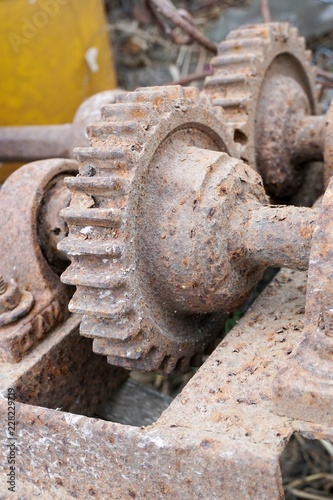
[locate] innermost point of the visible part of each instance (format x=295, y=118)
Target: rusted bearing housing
x=33, y=299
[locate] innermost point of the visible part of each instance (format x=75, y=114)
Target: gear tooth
x=101, y=241
x=128, y=364
x=103, y=130
x=308, y=56
x=78, y=275
x=101, y=305
x=191, y=93
x=129, y=352
x=239, y=70
x=196, y=359
x=115, y=112
x=162, y=99
x=100, y=217
x=75, y=246
x=242, y=46
x=168, y=364
x=225, y=79
x=248, y=31
x=302, y=43
x=235, y=107
x=91, y=159
x=182, y=365
x=171, y=91
x=102, y=186
x=293, y=31
x=106, y=330
x=171, y=364
x=96, y=161
x=226, y=60
x=130, y=132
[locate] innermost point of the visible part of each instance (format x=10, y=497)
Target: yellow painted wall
x=43, y=46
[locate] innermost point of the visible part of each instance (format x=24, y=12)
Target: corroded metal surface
x=35, y=142
x=305, y=387
x=171, y=236
x=105, y=220
x=221, y=437
x=14, y=303
x=328, y=150
x=62, y=373
x=265, y=83
x=33, y=287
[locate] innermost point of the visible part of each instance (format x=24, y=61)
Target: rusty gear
x=120, y=306
x=263, y=79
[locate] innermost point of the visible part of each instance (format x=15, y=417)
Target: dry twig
x=307, y=495
x=265, y=11
x=181, y=19
x=192, y=77
x=325, y=74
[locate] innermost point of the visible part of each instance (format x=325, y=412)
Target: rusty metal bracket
x=304, y=388
x=33, y=300
x=220, y=437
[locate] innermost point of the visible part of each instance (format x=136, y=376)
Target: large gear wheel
x=264, y=81
x=115, y=293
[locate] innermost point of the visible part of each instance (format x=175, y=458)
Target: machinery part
x=106, y=226
x=265, y=83
x=13, y=303
x=35, y=142
x=222, y=426
x=23, y=265
x=51, y=227
x=190, y=239
x=304, y=388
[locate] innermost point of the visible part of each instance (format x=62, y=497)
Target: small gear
x=121, y=308
x=264, y=81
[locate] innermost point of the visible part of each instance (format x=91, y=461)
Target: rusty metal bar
x=309, y=140
x=35, y=142
x=281, y=236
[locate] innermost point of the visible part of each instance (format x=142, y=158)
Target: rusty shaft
x=308, y=143
x=35, y=142
x=281, y=236
x=216, y=237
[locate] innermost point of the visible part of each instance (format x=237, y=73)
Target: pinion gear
x=121, y=309
x=253, y=63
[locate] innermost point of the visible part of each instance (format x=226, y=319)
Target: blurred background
x=57, y=53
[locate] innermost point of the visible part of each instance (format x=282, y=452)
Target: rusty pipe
x=309, y=141
x=281, y=236
x=36, y=141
